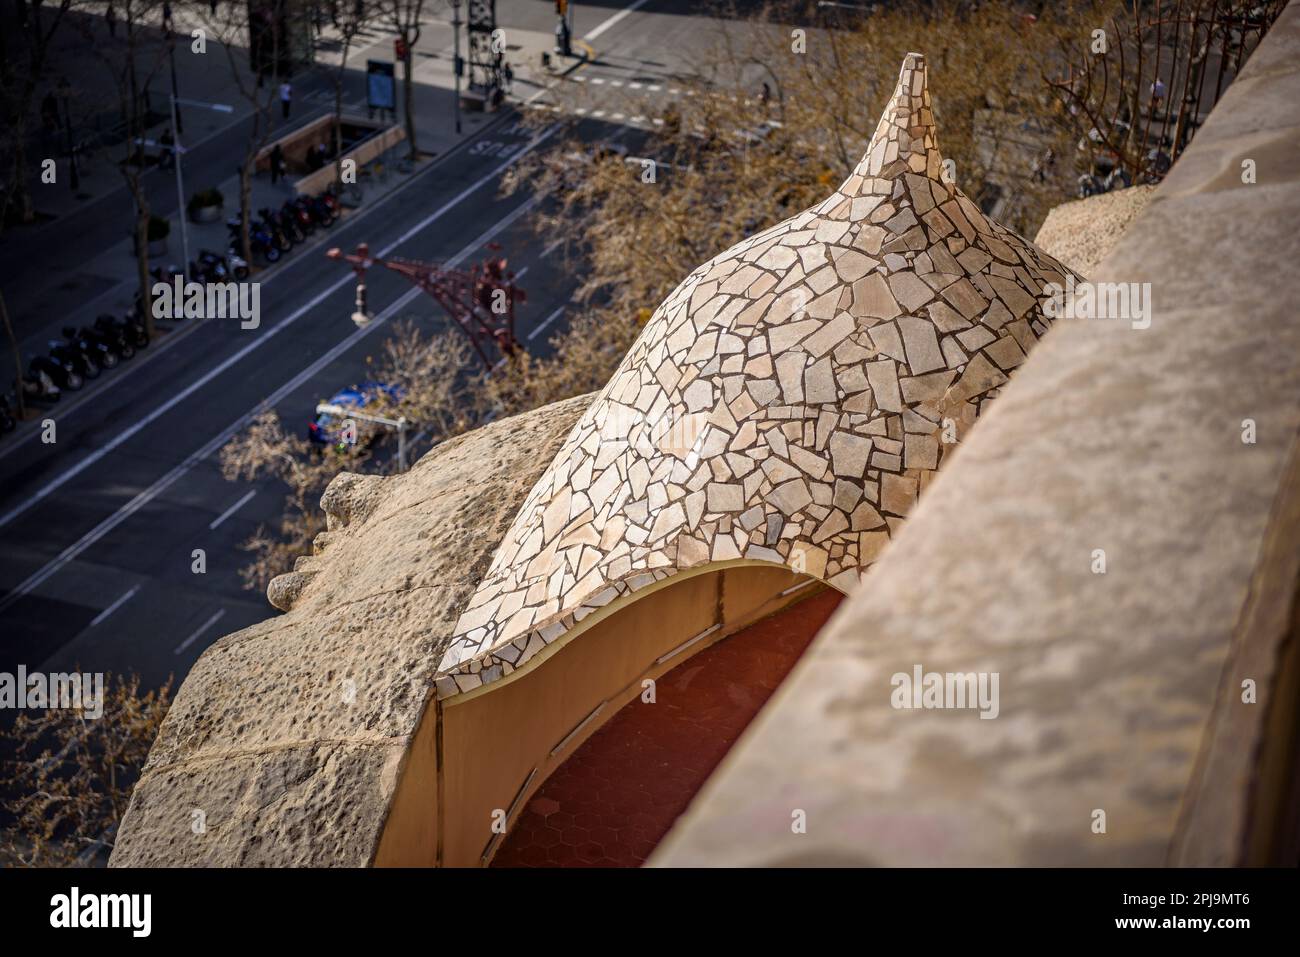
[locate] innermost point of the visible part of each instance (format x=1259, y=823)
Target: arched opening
x=612, y=801
x=479, y=758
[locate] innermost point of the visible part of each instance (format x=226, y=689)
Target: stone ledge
x=1110, y=437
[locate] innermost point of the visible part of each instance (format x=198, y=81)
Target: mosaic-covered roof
x=786, y=404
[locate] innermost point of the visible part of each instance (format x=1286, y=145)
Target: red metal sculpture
x=480, y=300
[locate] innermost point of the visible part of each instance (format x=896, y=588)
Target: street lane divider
x=143, y=498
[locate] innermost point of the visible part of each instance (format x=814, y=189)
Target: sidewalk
x=41, y=303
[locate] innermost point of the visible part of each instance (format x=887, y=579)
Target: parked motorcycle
x=210, y=267
x=82, y=362
x=115, y=334
x=279, y=239
x=60, y=373
x=238, y=265
x=286, y=224
x=317, y=210
x=39, y=386
x=332, y=201
x=92, y=346
x=132, y=326
x=300, y=214
x=259, y=237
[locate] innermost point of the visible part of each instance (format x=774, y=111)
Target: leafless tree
x=70, y=776
x=1138, y=85
x=22, y=70
x=406, y=18
x=132, y=60
x=254, y=75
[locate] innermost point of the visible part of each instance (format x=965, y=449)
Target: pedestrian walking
x=212, y=5
x=286, y=97
x=110, y=18
x=277, y=164
x=508, y=74
x=167, y=14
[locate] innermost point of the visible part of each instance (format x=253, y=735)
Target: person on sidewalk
x=212, y=5
x=110, y=18
x=286, y=97
x=277, y=164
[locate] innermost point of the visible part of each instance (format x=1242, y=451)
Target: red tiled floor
x=616, y=797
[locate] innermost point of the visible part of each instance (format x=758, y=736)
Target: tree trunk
x=245, y=204
x=338, y=128
x=142, y=264
x=18, y=358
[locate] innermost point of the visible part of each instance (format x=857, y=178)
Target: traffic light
x=399, y=48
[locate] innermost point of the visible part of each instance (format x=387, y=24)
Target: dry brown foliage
x=70, y=776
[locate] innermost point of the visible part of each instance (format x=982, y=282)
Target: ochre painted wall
x=491, y=750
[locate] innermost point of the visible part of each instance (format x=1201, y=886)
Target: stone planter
x=206, y=214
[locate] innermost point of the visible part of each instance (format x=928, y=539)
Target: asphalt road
x=98, y=529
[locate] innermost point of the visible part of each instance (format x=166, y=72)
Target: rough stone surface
x=1081, y=233
x=1110, y=437
x=289, y=735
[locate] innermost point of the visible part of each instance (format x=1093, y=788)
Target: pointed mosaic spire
x=785, y=405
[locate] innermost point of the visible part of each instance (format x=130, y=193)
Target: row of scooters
x=270, y=236
x=81, y=354
x=275, y=232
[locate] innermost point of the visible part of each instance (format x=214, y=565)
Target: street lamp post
x=171, y=51
x=65, y=93
x=177, y=151
x=456, y=64
x=399, y=425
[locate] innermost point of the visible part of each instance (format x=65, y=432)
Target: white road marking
x=545, y=322
x=115, y=606
x=200, y=630
x=654, y=88
x=551, y=248
x=133, y=506
x=631, y=8
x=164, y=407
x=232, y=510
x=597, y=79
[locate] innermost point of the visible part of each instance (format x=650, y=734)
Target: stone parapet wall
x=286, y=743
x=1119, y=692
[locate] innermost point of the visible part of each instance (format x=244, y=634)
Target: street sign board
x=380, y=85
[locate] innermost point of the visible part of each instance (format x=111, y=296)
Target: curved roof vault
x=785, y=404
